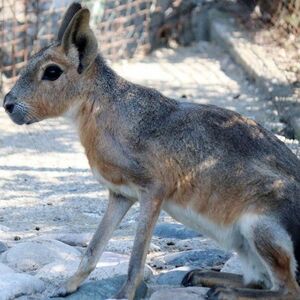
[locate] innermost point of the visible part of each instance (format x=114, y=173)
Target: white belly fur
x=130, y=191
x=187, y=216
x=224, y=235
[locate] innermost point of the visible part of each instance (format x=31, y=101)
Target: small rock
x=103, y=289
x=200, y=258
x=17, y=238
x=30, y=256
x=14, y=285
x=174, y=276
x=189, y=293
x=3, y=247
x=173, y=230
x=233, y=265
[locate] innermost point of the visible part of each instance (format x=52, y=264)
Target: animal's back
x=201, y=131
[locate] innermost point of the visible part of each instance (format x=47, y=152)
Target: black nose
x=9, y=103
x=9, y=107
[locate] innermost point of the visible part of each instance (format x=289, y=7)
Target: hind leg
x=272, y=246
x=212, y=279
x=254, y=277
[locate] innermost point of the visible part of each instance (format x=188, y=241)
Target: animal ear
x=79, y=34
x=71, y=11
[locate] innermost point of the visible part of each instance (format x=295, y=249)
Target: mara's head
x=56, y=77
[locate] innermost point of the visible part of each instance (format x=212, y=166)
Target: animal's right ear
x=75, y=31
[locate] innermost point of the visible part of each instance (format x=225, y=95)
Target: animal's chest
x=224, y=235
x=127, y=190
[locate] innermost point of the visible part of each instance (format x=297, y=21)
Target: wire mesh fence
x=28, y=25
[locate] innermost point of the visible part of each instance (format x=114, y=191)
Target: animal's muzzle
x=16, y=110
x=9, y=103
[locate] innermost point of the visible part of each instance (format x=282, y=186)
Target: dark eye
x=52, y=73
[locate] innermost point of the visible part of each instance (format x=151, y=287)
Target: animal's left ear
x=79, y=34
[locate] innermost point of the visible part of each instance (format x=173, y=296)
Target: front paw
x=221, y=293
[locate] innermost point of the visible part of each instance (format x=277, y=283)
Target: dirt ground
x=45, y=182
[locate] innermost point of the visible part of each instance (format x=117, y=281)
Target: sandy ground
x=45, y=182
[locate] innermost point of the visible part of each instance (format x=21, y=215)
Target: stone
x=125, y=246
x=200, y=258
x=3, y=247
x=233, y=265
x=189, y=293
x=14, y=285
x=110, y=265
x=72, y=239
x=103, y=289
x=4, y=269
x=57, y=271
x=174, y=276
x=33, y=255
x=200, y=243
x=173, y=230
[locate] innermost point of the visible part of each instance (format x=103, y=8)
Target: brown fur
x=203, y=164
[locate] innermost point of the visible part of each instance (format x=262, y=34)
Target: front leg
x=116, y=210
x=150, y=206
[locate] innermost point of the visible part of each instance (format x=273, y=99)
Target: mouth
x=31, y=121
x=21, y=117
x=17, y=118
